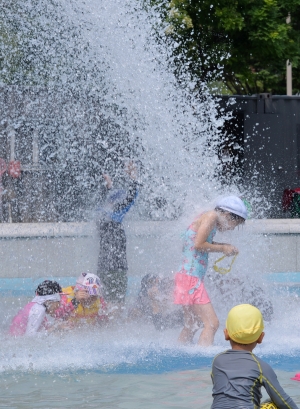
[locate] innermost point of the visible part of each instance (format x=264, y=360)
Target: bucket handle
x=223, y=270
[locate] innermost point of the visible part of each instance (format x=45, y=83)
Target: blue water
x=159, y=380
x=26, y=286
x=284, y=278
x=163, y=361
x=143, y=350
x=131, y=366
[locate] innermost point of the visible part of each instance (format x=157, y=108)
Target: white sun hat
x=233, y=204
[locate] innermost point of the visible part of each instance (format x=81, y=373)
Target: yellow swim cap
x=244, y=324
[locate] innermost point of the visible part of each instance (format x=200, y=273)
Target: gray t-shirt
x=237, y=380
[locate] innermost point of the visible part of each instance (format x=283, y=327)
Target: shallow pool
x=118, y=369
x=90, y=389
x=129, y=365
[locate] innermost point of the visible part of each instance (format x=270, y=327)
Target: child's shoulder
x=263, y=364
x=220, y=355
x=208, y=217
x=207, y=214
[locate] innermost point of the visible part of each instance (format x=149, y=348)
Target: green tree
x=243, y=43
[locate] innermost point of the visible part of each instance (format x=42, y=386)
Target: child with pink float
x=33, y=317
x=190, y=291
x=70, y=306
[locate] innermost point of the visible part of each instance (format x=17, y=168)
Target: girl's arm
x=206, y=224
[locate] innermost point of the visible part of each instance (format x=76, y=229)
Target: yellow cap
x=244, y=324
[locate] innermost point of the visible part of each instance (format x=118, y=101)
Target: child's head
x=233, y=212
x=148, y=282
x=91, y=284
x=48, y=294
x=244, y=326
x=48, y=287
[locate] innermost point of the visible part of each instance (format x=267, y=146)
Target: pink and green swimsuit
x=189, y=286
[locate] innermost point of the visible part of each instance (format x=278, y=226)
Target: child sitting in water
x=237, y=374
x=32, y=318
x=82, y=303
x=154, y=303
x=190, y=292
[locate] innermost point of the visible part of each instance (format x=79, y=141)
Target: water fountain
x=109, y=93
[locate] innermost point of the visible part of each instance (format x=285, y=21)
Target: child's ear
x=261, y=337
x=227, y=338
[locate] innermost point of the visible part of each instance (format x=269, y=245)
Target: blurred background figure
x=154, y=303
x=112, y=260
x=240, y=290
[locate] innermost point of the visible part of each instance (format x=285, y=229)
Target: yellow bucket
x=268, y=405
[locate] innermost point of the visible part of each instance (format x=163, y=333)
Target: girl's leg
x=190, y=325
x=210, y=321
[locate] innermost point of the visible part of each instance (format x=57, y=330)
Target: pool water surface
x=180, y=389
x=129, y=365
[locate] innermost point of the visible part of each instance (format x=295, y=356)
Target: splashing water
x=111, y=95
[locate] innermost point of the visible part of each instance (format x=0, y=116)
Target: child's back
x=237, y=380
x=238, y=374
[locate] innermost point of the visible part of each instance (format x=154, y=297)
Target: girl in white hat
x=189, y=281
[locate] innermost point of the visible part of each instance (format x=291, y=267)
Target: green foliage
x=244, y=43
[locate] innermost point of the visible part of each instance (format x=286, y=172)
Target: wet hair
x=48, y=287
x=147, y=282
x=233, y=216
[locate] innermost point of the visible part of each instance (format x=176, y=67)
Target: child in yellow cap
x=238, y=374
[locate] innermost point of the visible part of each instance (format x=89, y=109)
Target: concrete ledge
x=138, y=228
x=67, y=249
x=15, y=230
x=273, y=226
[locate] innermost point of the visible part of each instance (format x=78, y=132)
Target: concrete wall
x=66, y=249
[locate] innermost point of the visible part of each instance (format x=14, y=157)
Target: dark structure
x=261, y=146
